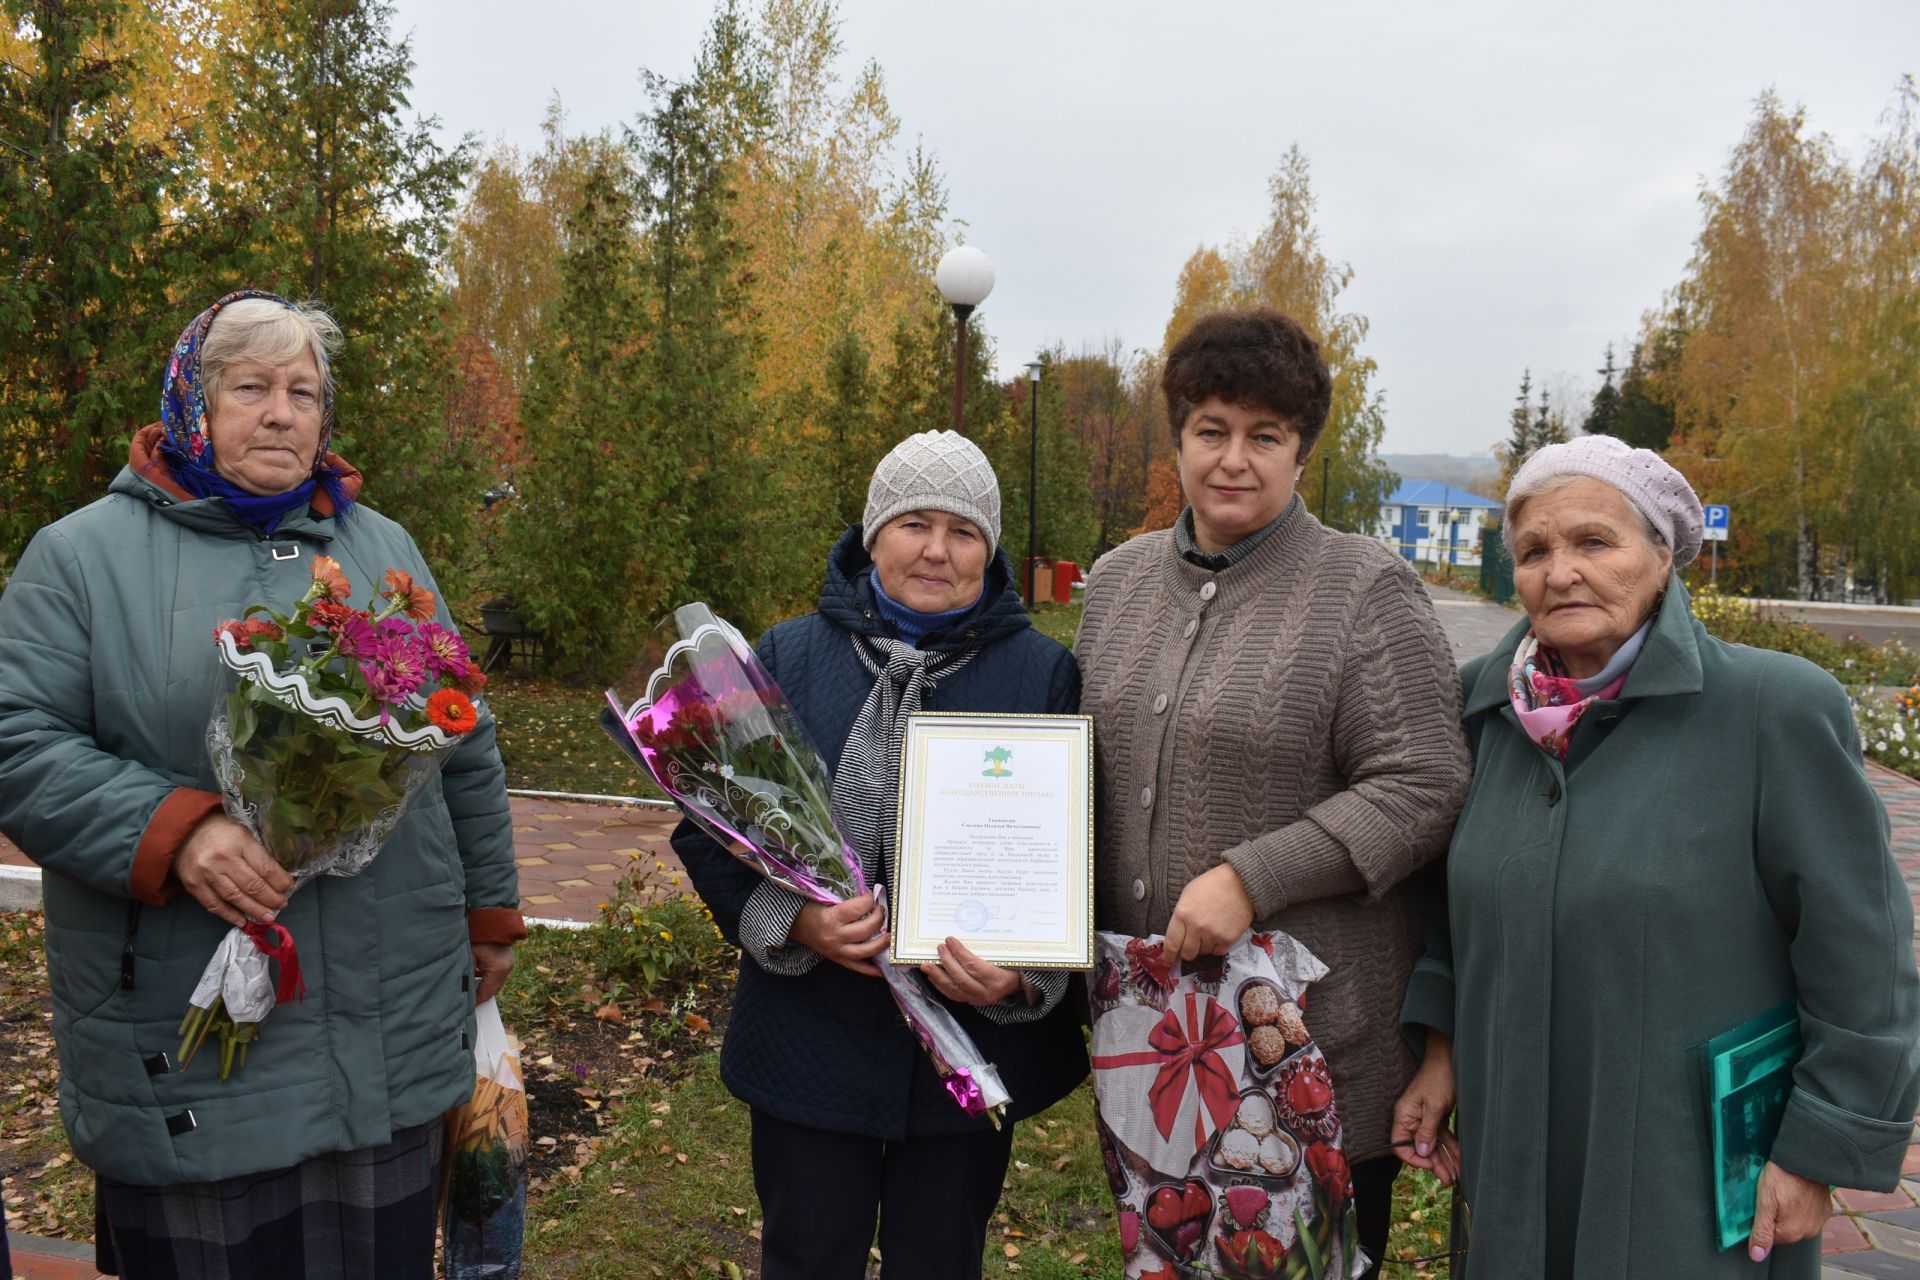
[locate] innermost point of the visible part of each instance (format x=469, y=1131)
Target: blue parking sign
x=1718, y=521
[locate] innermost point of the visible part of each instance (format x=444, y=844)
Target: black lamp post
x=1033, y=475
x=965, y=278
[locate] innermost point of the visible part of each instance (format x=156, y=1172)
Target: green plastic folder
x=1749, y=1073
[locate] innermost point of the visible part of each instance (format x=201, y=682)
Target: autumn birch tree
x=1286, y=267
x=1765, y=298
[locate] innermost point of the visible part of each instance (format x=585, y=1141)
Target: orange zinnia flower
x=474, y=679
x=418, y=602
x=452, y=711
x=326, y=572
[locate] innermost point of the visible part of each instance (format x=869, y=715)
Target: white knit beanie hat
x=934, y=471
x=1647, y=480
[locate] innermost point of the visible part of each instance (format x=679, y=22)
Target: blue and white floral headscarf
x=188, y=448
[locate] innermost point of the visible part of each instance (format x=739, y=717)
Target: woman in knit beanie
x=918, y=611
x=1669, y=838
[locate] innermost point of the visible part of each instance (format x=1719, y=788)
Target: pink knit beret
x=1661, y=493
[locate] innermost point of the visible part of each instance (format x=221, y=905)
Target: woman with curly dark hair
x=1276, y=720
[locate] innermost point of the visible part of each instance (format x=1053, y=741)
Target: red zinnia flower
x=331, y=615
x=246, y=631
x=473, y=680
x=416, y=602
x=452, y=711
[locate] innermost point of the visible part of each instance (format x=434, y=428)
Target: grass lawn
x=1058, y=620
x=551, y=739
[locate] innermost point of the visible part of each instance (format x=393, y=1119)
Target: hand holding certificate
x=996, y=839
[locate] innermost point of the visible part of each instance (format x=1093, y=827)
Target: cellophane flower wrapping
x=1216, y=1114
x=332, y=723
x=320, y=787
x=713, y=729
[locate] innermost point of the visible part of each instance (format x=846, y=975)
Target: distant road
x=1874, y=624
x=1473, y=625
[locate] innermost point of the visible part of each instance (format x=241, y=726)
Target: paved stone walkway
x=571, y=853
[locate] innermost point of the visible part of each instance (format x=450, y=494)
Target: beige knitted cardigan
x=1296, y=715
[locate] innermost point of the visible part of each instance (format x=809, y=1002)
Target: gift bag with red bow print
x=1216, y=1114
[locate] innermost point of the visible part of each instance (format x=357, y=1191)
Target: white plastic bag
x=490, y=1131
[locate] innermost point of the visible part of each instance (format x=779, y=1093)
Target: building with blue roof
x=1425, y=520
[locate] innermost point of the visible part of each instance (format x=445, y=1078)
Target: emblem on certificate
x=996, y=839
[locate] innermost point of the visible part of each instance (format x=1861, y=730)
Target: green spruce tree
x=1512, y=451
x=1603, y=419
x=1645, y=418
x=698, y=365
x=597, y=541
x=330, y=194
x=850, y=431
x=85, y=321
x=1549, y=424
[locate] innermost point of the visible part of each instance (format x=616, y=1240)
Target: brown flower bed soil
x=581, y=1070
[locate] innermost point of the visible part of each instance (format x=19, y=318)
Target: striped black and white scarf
x=866, y=786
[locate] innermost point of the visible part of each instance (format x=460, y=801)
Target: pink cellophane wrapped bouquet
x=714, y=730
x=1216, y=1114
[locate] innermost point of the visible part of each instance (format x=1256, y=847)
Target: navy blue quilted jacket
x=829, y=1049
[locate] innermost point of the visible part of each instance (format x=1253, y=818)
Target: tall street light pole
x=1033, y=475
x=965, y=278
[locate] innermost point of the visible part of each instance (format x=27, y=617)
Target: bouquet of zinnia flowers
x=335, y=719
x=720, y=738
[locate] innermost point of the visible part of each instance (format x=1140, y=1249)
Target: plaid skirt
x=355, y=1215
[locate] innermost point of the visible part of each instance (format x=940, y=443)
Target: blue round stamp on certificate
x=970, y=916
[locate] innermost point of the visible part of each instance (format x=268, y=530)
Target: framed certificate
x=996, y=839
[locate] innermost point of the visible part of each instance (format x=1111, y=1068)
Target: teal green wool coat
x=1711, y=850
x=107, y=678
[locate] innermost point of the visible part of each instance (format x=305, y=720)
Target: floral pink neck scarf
x=1550, y=702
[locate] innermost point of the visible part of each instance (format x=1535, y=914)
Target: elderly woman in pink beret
x=1668, y=838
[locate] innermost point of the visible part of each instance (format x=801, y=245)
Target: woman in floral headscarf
x=1667, y=837
x=321, y=1158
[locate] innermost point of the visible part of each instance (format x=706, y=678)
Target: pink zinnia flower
x=388, y=687
x=408, y=660
x=446, y=651
x=355, y=636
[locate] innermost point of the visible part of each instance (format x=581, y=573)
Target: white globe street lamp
x=965, y=278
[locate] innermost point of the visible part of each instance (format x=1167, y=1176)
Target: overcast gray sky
x=1512, y=183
